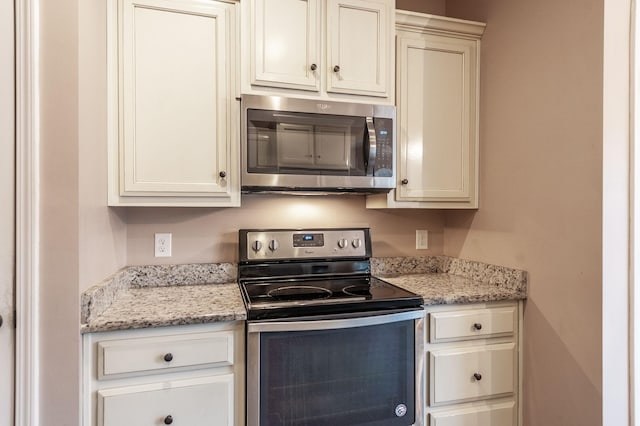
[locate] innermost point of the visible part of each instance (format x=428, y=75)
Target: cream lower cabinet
x=437, y=80
x=173, y=117
x=473, y=365
x=185, y=375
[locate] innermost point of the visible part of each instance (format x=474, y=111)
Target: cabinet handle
x=168, y=420
x=314, y=67
x=477, y=326
x=404, y=181
x=168, y=357
x=1, y=320
x=336, y=68
x=223, y=174
x=477, y=376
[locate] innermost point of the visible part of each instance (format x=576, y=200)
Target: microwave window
x=299, y=143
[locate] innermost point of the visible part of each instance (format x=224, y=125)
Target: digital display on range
x=308, y=240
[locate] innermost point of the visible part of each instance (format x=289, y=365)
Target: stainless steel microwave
x=316, y=146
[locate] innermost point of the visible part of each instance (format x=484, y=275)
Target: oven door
x=366, y=370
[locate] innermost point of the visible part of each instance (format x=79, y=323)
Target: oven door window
x=344, y=377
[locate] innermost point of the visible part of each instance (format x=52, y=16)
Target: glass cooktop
x=271, y=299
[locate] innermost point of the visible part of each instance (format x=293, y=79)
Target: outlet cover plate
x=422, y=239
x=163, y=244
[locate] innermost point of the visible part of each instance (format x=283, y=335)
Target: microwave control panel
x=384, y=147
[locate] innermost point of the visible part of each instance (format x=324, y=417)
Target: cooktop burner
x=298, y=273
x=299, y=292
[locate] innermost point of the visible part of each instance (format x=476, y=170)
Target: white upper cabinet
x=285, y=46
x=330, y=49
x=173, y=107
x=437, y=79
x=357, y=39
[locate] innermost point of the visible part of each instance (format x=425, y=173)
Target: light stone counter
x=161, y=295
x=441, y=288
x=446, y=280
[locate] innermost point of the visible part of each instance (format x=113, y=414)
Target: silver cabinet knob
x=336, y=68
x=405, y=181
x=223, y=174
x=256, y=246
x=356, y=243
x=342, y=243
x=313, y=67
x=273, y=245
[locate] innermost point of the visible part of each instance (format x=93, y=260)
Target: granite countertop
x=162, y=295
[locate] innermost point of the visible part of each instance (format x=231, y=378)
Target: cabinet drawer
x=137, y=356
x=471, y=373
x=206, y=401
x=468, y=324
x=503, y=414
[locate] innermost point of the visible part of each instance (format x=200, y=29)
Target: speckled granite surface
x=159, y=295
x=97, y=301
x=145, y=307
x=442, y=288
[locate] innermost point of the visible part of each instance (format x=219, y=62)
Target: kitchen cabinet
x=173, y=117
x=191, y=374
x=333, y=49
x=437, y=79
x=473, y=357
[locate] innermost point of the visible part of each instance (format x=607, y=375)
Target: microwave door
x=295, y=145
x=333, y=147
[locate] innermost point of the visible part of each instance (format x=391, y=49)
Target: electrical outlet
x=163, y=244
x=422, y=239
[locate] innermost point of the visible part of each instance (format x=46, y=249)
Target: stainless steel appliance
x=327, y=343
x=311, y=145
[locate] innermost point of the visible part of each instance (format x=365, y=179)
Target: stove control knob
x=256, y=246
x=356, y=243
x=273, y=245
x=342, y=243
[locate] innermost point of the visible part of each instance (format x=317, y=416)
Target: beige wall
x=59, y=234
x=541, y=191
x=211, y=235
x=435, y=7
x=82, y=241
x=102, y=244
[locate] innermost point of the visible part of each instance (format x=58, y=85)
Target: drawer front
x=135, y=356
x=468, y=324
x=204, y=401
x=471, y=373
x=503, y=414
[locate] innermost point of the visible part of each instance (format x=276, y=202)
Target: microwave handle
x=371, y=146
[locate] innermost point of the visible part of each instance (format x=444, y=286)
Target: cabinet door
x=195, y=402
x=175, y=67
x=357, y=46
x=462, y=374
x=436, y=112
x=501, y=414
x=285, y=43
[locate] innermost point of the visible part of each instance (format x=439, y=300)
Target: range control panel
x=304, y=244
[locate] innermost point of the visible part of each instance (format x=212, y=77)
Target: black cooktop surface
x=286, y=298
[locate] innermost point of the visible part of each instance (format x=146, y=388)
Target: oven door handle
x=361, y=321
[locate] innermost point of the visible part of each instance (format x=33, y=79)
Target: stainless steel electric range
x=327, y=343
